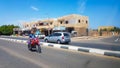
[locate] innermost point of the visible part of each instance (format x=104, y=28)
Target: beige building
x=71, y=22
x=107, y=28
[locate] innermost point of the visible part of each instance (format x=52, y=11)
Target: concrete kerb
x=111, y=53
x=98, y=51
x=84, y=49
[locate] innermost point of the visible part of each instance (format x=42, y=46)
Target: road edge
x=83, y=49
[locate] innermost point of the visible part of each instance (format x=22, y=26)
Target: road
x=107, y=43
x=16, y=55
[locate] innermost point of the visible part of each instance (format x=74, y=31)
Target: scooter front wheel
x=38, y=48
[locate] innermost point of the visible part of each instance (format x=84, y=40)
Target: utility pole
x=49, y=29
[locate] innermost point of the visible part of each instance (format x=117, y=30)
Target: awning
x=59, y=28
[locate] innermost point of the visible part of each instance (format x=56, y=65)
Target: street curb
x=112, y=54
x=83, y=49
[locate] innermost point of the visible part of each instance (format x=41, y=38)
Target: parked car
x=40, y=36
x=58, y=37
x=74, y=33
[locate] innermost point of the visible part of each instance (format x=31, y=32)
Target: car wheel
x=58, y=41
x=46, y=40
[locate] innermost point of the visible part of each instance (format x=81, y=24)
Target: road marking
x=117, y=39
x=24, y=57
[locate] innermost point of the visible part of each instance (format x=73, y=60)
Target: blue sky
x=100, y=12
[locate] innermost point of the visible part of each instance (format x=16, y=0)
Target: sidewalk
x=88, y=37
x=20, y=36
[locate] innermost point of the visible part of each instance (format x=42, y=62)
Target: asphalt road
x=106, y=43
x=112, y=39
x=16, y=55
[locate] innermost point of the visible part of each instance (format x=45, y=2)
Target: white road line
x=117, y=39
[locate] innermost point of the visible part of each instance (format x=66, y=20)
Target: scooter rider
x=32, y=35
x=33, y=42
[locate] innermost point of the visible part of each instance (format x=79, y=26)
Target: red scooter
x=33, y=44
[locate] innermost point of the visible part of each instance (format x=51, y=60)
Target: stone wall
x=103, y=33
x=81, y=31
x=93, y=33
x=108, y=33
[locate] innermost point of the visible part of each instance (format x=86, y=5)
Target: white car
x=41, y=36
x=59, y=37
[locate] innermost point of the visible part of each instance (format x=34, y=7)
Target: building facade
x=105, y=28
x=71, y=22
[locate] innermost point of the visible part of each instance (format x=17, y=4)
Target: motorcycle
x=33, y=44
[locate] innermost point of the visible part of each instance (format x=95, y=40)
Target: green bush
x=7, y=29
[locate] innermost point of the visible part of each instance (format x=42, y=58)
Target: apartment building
x=71, y=23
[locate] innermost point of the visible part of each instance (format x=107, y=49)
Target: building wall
x=78, y=22
x=94, y=33
x=103, y=33
x=81, y=31
x=108, y=28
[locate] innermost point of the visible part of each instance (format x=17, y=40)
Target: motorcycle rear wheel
x=29, y=47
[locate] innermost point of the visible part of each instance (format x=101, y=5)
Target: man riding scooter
x=33, y=42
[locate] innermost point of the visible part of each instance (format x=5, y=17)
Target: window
x=54, y=34
x=27, y=26
x=50, y=35
x=79, y=21
x=50, y=23
x=45, y=23
x=66, y=34
x=40, y=24
x=60, y=22
x=57, y=34
x=86, y=22
x=66, y=22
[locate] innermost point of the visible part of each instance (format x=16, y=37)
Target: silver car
x=58, y=37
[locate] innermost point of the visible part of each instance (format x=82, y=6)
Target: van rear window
x=66, y=34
